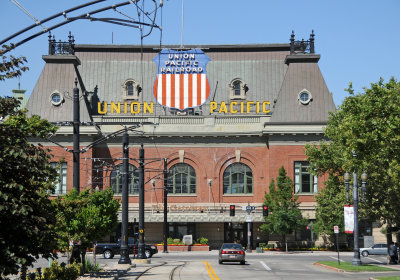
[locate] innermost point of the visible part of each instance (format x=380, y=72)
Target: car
x=110, y=249
x=231, y=252
x=376, y=249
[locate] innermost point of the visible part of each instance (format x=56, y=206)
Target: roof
x=270, y=72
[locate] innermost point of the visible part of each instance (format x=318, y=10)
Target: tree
x=86, y=216
x=26, y=213
x=329, y=212
x=11, y=66
x=367, y=123
x=285, y=216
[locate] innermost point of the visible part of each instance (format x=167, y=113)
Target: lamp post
x=124, y=257
x=356, y=259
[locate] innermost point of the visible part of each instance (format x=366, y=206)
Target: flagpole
x=183, y=4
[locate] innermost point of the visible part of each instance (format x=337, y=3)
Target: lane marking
x=210, y=270
x=265, y=266
x=373, y=259
x=336, y=258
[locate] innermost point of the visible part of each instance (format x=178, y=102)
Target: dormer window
x=238, y=89
x=56, y=98
x=304, y=97
x=131, y=90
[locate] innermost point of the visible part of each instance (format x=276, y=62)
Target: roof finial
x=312, y=49
x=292, y=42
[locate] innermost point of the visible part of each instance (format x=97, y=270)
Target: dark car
x=110, y=249
x=377, y=249
x=231, y=252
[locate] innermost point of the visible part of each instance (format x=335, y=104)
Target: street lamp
x=356, y=259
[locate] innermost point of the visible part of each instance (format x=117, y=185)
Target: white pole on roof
x=183, y=4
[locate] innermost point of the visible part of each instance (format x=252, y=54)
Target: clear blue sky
x=359, y=41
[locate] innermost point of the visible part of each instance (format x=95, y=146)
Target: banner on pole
x=348, y=218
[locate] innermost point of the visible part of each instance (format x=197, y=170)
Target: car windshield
x=232, y=246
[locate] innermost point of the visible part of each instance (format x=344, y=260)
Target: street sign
x=336, y=229
x=248, y=219
x=249, y=233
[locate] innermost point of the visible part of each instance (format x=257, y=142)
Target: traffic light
x=265, y=210
x=232, y=210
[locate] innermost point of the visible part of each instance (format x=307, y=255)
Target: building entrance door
x=235, y=233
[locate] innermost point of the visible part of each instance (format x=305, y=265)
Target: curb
x=329, y=267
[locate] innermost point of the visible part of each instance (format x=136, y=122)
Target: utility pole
x=124, y=257
x=76, y=151
x=165, y=206
x=141, y=254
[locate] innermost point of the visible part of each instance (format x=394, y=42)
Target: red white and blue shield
x=181, y=80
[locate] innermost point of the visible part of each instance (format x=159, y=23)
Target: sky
x=358, y=40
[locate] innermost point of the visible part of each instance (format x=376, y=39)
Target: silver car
x=231, y=252
x=376, y=249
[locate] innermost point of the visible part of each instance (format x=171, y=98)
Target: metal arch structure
x=89, y=16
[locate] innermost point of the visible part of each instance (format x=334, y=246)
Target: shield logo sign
x=181, y=80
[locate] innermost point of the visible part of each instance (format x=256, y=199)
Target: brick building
x=265, y=102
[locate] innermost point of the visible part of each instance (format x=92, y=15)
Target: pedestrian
x=392, y=253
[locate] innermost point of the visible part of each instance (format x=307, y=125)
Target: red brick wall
x=208, y=162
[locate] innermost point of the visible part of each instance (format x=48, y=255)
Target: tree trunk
x=83, y=260
x=94, y=253
x=388, y=239
x=284, y=238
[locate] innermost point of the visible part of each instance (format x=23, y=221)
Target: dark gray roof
x=263, y=67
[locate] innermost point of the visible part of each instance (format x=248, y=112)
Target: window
x=238, y=179
x=178, y=230
x=304, y=97
x=304, y=181
x=238, y=89
x=133, y=182
x=306, y=233
x=56, y=98
x=181, y=179
x=61, y=184
x=131, y=89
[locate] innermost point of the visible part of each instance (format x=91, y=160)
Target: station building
x=257, y=108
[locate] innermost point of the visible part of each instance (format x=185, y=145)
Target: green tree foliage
x=11, y=66
x=86, y=216
x=26, y=214
x=329, y=213
x=285, y=216
x=369, y=124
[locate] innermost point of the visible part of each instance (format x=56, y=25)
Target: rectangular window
x=304, y=181
x=61, y=183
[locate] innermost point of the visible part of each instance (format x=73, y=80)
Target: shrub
x=170, y=240
x=92, y=267
x=202, y=240
x=177, y=241
x=61, y=272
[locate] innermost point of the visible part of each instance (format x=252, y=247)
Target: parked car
x=110, y=249
x=376, y=249
x=231, y=252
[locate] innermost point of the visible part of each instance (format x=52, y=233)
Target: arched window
x=238, y=179
x=116, y=180
x=238, y=89
x=182, y=179
x=131, y=89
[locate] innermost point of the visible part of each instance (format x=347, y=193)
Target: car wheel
x=220, y=261
x=364, y=253
x=147, y=253
x=242, y=262
x=108, y=254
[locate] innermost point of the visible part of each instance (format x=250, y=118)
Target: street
x=268, y=265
